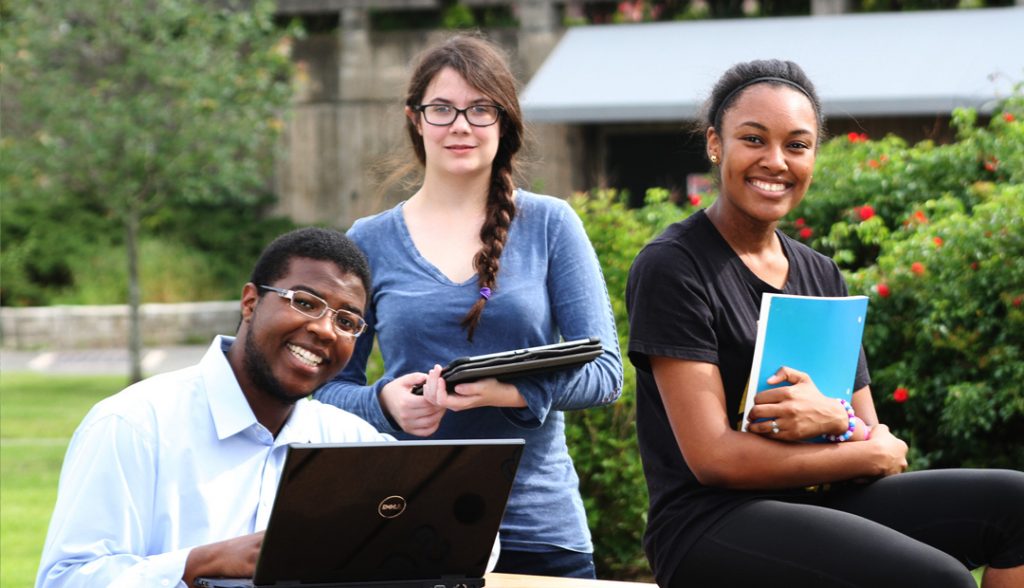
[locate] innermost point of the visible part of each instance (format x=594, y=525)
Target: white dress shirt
x=168, y=464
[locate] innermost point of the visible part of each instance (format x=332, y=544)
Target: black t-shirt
x=691, y=297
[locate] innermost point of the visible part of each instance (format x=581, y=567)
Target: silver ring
x=775, y=428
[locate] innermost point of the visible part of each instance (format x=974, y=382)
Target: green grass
x=38, y=414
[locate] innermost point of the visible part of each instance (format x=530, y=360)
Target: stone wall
x=85, y=327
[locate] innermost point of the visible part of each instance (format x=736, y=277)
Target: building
x=627, y=95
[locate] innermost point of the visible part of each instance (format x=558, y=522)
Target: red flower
x=867, y=211
x=632, y=12
x=799, y=222
x=917, y=267
x=874, y=163
x=1018, y=300
x=883, y=290
x=695, y=199
x=1008, y=117
x=806, y=232
x=938, y=241
x=974, y=265
x=901, y=395
x=920, y=217
x=863, y=137
x=884, y=158
x=852, y=137
x=991, y=164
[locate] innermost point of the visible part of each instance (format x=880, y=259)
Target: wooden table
x=520, y=581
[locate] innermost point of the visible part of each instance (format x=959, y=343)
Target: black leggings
x=917, y=529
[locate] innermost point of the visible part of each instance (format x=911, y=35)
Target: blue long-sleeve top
x=549, y=287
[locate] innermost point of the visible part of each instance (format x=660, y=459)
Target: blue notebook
x=819, y=336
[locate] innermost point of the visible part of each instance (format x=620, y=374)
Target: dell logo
x=391, y=507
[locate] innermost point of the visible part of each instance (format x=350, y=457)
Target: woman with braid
x=470, y=265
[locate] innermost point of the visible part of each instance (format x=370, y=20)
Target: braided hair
x=485, y=68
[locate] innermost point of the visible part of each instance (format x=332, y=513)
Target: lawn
x=38, y=413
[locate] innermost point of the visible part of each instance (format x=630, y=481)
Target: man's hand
x=233, y=558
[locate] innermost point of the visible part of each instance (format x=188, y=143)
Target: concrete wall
x=84, y=327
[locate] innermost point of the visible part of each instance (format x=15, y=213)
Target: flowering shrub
x=934, y=234
x=945, y=337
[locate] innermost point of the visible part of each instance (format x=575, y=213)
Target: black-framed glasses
x=345, y=322
x=442, y=115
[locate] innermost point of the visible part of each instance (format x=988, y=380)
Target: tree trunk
x=134, y=294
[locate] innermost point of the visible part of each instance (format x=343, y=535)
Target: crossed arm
x=719, y=455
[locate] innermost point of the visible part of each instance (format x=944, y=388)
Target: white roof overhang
x=879, y=64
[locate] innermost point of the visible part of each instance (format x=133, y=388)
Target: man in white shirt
x=174, y=477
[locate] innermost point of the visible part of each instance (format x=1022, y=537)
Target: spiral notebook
x=520, y=362
x=820, y=336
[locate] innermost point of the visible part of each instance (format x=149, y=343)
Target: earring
x=714, y=159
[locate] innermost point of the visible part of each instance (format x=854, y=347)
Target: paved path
x=99, y=361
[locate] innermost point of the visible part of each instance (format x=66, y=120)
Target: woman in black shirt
x=730, y=508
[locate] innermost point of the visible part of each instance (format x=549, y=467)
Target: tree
x=118, y=109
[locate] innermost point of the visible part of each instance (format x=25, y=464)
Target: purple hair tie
x=485, y=292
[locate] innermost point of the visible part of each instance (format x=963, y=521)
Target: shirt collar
x=228, y=406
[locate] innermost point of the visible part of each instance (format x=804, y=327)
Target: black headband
x=744, y=85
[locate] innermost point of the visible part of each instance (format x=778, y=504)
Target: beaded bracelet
x=849, y=430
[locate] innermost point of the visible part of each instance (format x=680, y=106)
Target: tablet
x=520, y=362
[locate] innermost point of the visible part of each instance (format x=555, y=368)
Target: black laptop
x=404, y=514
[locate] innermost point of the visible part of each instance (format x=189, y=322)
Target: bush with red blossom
x=946, y=315
x=933, y=234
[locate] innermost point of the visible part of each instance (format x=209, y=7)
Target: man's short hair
x=313, y=243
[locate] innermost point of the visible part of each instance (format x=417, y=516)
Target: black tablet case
x=519, y=362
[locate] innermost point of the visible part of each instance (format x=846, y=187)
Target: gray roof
x=862, y=64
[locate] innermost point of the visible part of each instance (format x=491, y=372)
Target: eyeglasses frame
x=420, y=108
x=289, y=295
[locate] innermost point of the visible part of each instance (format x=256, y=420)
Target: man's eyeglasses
x=442, y=115
x=345, y=322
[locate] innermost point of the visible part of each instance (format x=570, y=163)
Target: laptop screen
x=369, y=512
